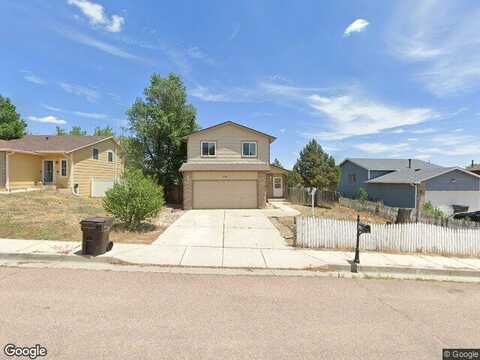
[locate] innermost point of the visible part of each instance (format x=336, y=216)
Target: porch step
x=277, y=200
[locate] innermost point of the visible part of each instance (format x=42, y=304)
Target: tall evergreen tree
x=277, y=162
x=11, y=124
x=317, y=168
x=158, y=125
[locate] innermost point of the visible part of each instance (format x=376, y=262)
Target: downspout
x=72, y=178
x=7, y=170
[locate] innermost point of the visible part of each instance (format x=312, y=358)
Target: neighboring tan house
x=409, y=183
x=475, y=168
x=228, y=167
x=85, y=165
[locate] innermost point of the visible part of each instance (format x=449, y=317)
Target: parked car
x=472, y=216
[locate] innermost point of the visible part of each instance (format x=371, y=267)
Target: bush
x=429, y=209
x=362, y=195
x=134, y=199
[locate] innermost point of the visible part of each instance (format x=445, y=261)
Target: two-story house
x=228, y=166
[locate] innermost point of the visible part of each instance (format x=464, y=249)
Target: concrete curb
x=407, y=271
x=60, y=257
x=361, y=269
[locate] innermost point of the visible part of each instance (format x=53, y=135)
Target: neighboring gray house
x=409, y=183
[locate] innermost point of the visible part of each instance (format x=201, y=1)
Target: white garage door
x=225, y=194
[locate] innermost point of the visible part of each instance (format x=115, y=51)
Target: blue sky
x=366, y=78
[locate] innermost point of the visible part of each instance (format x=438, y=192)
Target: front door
x=277, y=186
x=48, y=172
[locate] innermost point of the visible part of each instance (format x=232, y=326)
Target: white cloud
x=52, y=108
x=282, y=130
x=442, y=39
x=88, y=93
x=424, y=131
x=100, y=45
x=204, y=93
x=83, y=114
x=375, y=148
x=34, y=79
x=358, y=25
x=89, y=115
x=50, y=119
x=350, y=115
x=96, y=15
x=194, y=52
x=452, y=139
x=235, y=31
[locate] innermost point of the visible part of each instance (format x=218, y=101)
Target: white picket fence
x=410, y=238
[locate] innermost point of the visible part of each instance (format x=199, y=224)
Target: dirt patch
x=286, y=227
x=339, y=212
x=50, y=215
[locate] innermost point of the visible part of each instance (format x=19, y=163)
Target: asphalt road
x=79, y=314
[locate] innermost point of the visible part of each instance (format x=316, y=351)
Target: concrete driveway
x=223, y=229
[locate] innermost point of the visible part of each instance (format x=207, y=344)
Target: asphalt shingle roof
x=49, y=143
x=390, y=164
x=410, y=176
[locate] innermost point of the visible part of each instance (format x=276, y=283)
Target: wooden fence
x=390, y=213
x=409, y=238
x=301, y=196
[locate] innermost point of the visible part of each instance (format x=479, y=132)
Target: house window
x=95, y=154
x=249, y=149
x=209, y=148
x=110, y=156
x=352, y=178
x=64, y=168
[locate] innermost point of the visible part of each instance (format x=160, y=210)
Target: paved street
x=78, y=314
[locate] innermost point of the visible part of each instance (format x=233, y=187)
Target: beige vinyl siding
x=3, y=170
x=60, y=181
x=229, y=139
x=25, y=171
x=86, y=168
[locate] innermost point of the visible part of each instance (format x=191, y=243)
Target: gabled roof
x=271, y=138
x=388, y=164
x=50, y=143
x=411, y=176
x=280, y=168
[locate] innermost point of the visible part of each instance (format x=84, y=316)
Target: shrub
x=429, y=209
x=134, y=199
x=362, y=195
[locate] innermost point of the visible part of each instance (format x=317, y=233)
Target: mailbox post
x=361, y=229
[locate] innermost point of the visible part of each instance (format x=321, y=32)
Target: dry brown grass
x=50, y=215
x=339, y=212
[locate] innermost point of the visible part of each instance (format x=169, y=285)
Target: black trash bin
x=96, y=235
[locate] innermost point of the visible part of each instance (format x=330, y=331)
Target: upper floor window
x=209, y=148
x=95, y=154
x=64, y=168
x=352, y=178
x=110, y=156
x=249, y=149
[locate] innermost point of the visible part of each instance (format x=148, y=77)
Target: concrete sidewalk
x=245, y=258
